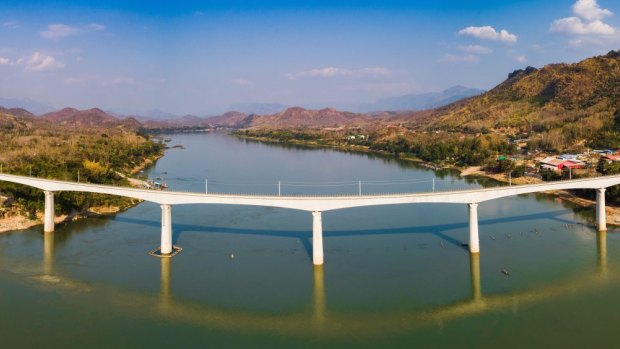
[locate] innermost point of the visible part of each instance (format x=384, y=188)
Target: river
x=394, y=276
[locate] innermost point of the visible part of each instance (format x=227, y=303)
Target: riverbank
x=19, y=222
x=14, y=220
x=612, y=210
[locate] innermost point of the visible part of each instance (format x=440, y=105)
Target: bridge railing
x=407, y=185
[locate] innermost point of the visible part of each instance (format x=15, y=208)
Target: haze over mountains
x=32, y=106
x=414, y=102
x=258, y=108
x=569, y=98
x=159, y=118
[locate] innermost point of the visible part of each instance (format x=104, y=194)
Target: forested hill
x=575, y=100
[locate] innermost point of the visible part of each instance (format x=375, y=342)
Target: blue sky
x=201, y=57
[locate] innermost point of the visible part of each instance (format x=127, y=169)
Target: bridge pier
x=474, y=241
x=166, y=230
x=317, y=238
x=48, y=215
x=601, y=219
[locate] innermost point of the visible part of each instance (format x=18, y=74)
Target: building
x=611, y=158
x=557, y=164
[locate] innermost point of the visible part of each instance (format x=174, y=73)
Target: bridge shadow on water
x=305, y=236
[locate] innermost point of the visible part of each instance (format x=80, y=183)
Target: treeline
x=609, y=168
x=282, y=136
x=89, y=156
x=430, y=148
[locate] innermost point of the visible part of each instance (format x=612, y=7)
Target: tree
x=601, y=166
x=519, y=171
x=617, y=120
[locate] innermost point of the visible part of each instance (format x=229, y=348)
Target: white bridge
x=314, y=204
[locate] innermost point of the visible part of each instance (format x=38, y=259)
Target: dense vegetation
x=440, y=148
x=93, y=155
x=559, y=104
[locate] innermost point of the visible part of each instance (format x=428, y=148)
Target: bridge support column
x=166, y=230
x=317, y=238
x=601, y=219
x=474, y=241
x=48, y=215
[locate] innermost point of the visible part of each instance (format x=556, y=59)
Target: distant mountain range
x=94, y=117
x=32, y=106
x=414, y=102
x=258, y=108
x=578, y=97
x=408, y=102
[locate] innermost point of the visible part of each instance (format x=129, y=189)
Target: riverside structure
x=314, y=204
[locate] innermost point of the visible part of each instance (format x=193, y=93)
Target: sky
x=201, y=57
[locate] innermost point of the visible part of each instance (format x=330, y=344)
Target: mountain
x=290, y=118
x=231, y=119
x=15, y=119
x=33, y=106
x=420, y=101
x=94, y=117
x=304, y=118
x=574, y=99
x=258, y=108
x=186, y=121
x=158, y=114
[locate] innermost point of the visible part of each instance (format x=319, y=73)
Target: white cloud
x=243, y=82
x=332, y=72
x=58, y=31
x=11, y=24
x=489, y=33
x=520, y=59
x=4, y=61
x=452, y=58
x=575, y=26
x=590, y=10
x=476, y=49
x=97, y=27
x=40, y=62
x=587, y=25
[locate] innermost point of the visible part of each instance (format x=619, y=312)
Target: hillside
x=291, y=118
x=15, y=119
x=231, y=119
x=304, y=118
x=82, y=118
x=578, y=97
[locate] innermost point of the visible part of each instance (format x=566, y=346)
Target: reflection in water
x=319, y=295
x=48, y=253
x=474, y=271
x=601, y=250
x=322, y=323
x=166, y=289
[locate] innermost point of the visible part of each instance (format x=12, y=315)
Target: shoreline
x=612, y=210
x=19, y=221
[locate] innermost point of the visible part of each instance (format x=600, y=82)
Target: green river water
x=394, y=276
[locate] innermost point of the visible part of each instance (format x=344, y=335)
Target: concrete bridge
x=314, y=204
